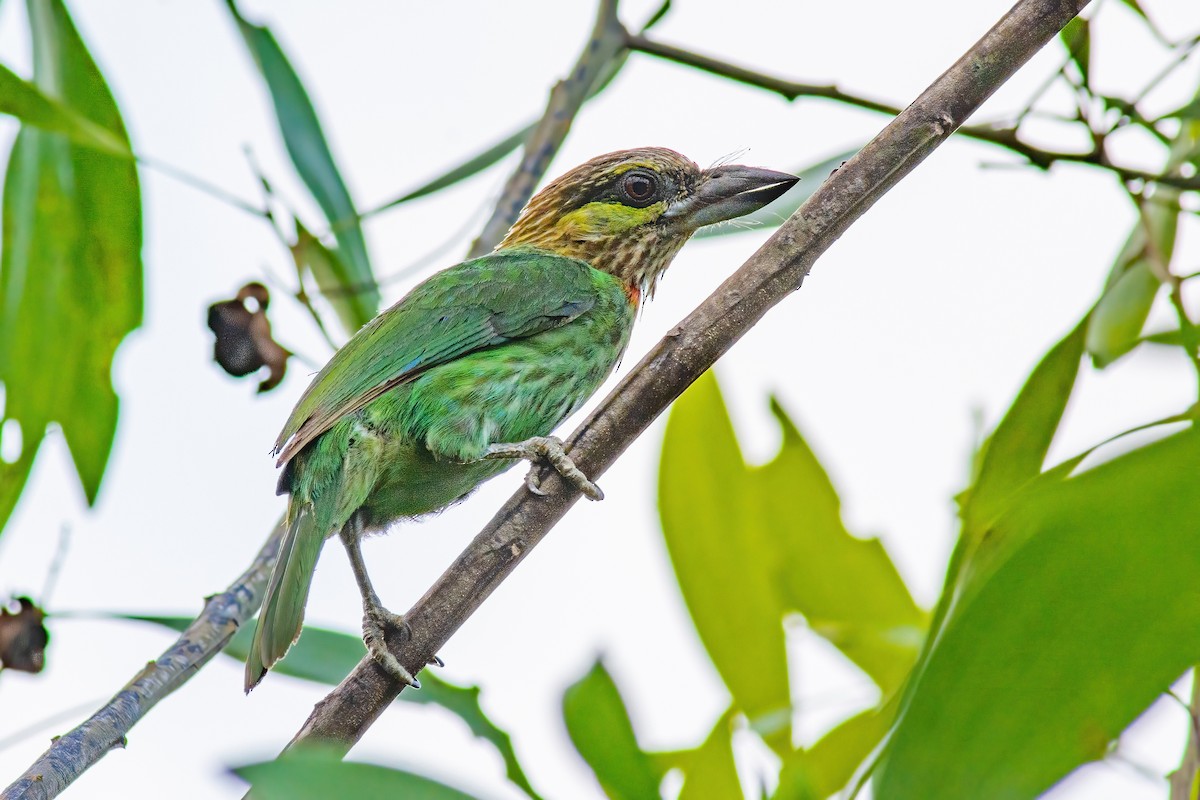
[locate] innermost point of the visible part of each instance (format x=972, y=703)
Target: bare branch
x=70, y=755
x=606, y=43
x=1183, y=780
x=774, y=272
x=1006, y=137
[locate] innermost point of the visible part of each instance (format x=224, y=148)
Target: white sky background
x=933, y=307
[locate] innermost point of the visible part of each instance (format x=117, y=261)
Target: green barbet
x=474, y=368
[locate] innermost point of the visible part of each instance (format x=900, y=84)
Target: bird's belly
x=436, y=428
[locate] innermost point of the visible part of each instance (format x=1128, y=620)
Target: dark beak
x=729, y=191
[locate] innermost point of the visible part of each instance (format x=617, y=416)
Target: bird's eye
x=639, y=188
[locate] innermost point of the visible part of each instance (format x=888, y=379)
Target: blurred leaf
x=1013, y=455
x=1173, y=338
x=724, y=554
x=1189, y=110
x=327, y=657
x=244, y=344
x=26, y=102
x=772, y=216
x=710, y=771
x=70, y=269
x=601, y=731
x=473, y=165
x=847, y=588
x=1135, y=7
x=23, y=637
x=751, y=544
x=1134, y=279
x=305, y=143
x=312, y=773
x=1115, y=327
x=1117, y=321
x=335, y=279
x=827, y=766
x=657, y=16
x=1077, y=38
x=1083, y=612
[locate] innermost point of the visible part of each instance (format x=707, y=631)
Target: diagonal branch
x=774, y=272
x=73, y=753
x=1006, y=137
x=605, y=44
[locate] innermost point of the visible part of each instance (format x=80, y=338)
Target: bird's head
x=628, y=213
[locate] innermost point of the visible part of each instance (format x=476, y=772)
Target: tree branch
x=1006, y=137
x=70, y=755
x=775, y=271
x=606, y=43
x=1183, y=780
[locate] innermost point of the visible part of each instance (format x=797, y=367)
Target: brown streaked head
x=628, y=213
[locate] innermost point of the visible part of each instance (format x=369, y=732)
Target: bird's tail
x=282, y=613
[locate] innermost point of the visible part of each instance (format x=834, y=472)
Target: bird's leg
x=550, y=450
x=376, y=619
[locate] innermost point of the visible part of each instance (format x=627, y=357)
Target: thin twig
x=1184, y=778
x=774, y=272
x=606, y=42
x=1006, y=137
x=200, y=184
x=70, y=755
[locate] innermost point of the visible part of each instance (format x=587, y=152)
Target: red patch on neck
x=634, y=293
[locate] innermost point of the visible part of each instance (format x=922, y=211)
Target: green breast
x=433, y=428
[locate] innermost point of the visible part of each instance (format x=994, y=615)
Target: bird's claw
x=533, y=483
x=548, y=449
x=377, y=622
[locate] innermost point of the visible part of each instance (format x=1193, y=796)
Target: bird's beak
x=727, y=192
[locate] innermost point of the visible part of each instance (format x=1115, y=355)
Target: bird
x=475, y=367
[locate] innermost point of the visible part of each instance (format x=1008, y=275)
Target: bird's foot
x=547, y=449
x=377, y=621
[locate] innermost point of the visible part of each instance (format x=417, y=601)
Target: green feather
x=478, y=304
x=282, y=614
x=497, y=349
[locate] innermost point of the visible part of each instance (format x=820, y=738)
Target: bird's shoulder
x=508, y=294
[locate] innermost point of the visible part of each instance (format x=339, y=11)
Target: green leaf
x=1117, y=321
x=724, y=555
x=327, y=657
x=70, y=269
x=473, y=165
x=1170, y=338
x=657, y=16
x=334, y=277
x=1013, y=455
x=1134, y=279
x=311, y=773
x=751, y=544
x=710, y=771
x=773, y=215
x=1077, y=38
x=829, y=765
x=1082, y=612
x=601, y=731
x=1115, y=327
x=847, y=588
x=27, y=103
x=305, y=143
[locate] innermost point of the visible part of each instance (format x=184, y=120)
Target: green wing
x=471, y=306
